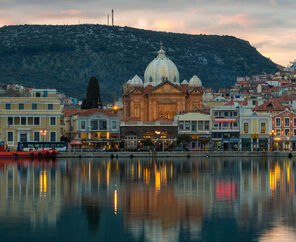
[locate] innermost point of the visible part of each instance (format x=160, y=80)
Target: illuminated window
x=278, y=122
x=277, y=132
x=263, y=127
x=246, y=128
x=287, y=132
x=287, y=122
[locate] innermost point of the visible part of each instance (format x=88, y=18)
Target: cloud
x=267, y=24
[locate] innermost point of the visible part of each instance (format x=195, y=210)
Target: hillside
x=65, y=57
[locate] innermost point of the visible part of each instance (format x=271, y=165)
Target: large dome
x=160, y=70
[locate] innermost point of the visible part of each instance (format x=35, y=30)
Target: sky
x=269, y=25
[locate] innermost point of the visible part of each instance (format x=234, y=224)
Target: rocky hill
x=65, y=57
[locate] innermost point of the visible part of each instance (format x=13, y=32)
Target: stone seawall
x=175, y=154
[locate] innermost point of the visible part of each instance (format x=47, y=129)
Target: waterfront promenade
x=288, y=154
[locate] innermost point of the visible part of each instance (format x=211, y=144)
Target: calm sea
x=148, y=200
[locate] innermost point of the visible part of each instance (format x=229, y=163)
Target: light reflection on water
x=190, y=200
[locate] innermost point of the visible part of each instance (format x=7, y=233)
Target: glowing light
x=43, y=183
x=139, y=170
x=115, y=202
x=225, y=121
x=274, y=177
x=157, y=132
x=108, y=172
x=115, y=107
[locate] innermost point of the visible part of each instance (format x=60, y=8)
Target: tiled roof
x=271, y=105
x=88, y=112
x=163, y=120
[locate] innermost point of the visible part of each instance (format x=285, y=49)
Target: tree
x=93, y=96
x=184, y=139
x=148, y=142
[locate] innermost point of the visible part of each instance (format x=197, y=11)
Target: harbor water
x=195, y=199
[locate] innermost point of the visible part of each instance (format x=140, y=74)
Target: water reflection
x=206, y=200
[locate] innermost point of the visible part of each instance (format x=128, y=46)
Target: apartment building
x=33, y=117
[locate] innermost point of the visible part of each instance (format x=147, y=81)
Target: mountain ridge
x=66, y=56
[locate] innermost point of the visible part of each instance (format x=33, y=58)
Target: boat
x=4, y=153
x=30, y=154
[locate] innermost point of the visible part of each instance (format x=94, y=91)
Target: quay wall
x=154, y=155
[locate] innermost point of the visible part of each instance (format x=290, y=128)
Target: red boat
x=27, y=154
x=30, y=154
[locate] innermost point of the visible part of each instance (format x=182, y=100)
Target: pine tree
x=93, y=96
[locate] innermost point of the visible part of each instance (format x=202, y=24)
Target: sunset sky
x=269, y=25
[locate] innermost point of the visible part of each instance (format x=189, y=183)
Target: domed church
x=160, y=95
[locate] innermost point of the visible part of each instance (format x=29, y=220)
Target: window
x=226, y=114
x=52, y=136
x=278, y=122
x=9, y=136
x=234, y=114
x=294, y=132
x=50, y=106
x=216, y=114
x=193, y=125
x=235, y=124
x=225, y=125
x=30, y=120
x=34, y=106
x=45, y=93
x=294, y=121
x=246, y=128
x=16, y=121
x=254, y=102
x=263, y=127
x=10, y=121
x=181, y=125
x=36, y=121
x=103, y=125
x=277, y=132
x=52, y=120
x=207, y=125
x=287, y=122
x=7, y=106
x=82, y=124
x=114, y=124
x=200, y=125
x=38, y=94
x=94, y=125
x=187, y=125
x=23, y=121
x=36, y=136
x=21, y=106
x=287, y=132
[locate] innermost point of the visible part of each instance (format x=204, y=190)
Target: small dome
x=161, y=69
x=136, y=81
x=185, y=82
x=195, y=82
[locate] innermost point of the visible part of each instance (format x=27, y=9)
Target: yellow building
x=255, y=130
x=34, y=117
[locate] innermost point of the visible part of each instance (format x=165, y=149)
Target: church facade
x=160, y=95
x=158, y=98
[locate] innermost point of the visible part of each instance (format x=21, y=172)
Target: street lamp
x=43, y=133
x=272, y=133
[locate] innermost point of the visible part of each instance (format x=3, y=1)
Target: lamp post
x=43, y=133
x=272, y=133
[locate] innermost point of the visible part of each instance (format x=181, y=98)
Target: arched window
x=150, y=79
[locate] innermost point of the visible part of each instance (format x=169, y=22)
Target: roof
x=89, y=112
x=271, y=105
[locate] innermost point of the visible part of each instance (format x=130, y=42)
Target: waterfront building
x=225, y=127
x=150, y=106
x=97, y=128
x=198, y=125
x=255, y=130
x=283, y=132
x=161, y=95
x=33, y=117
